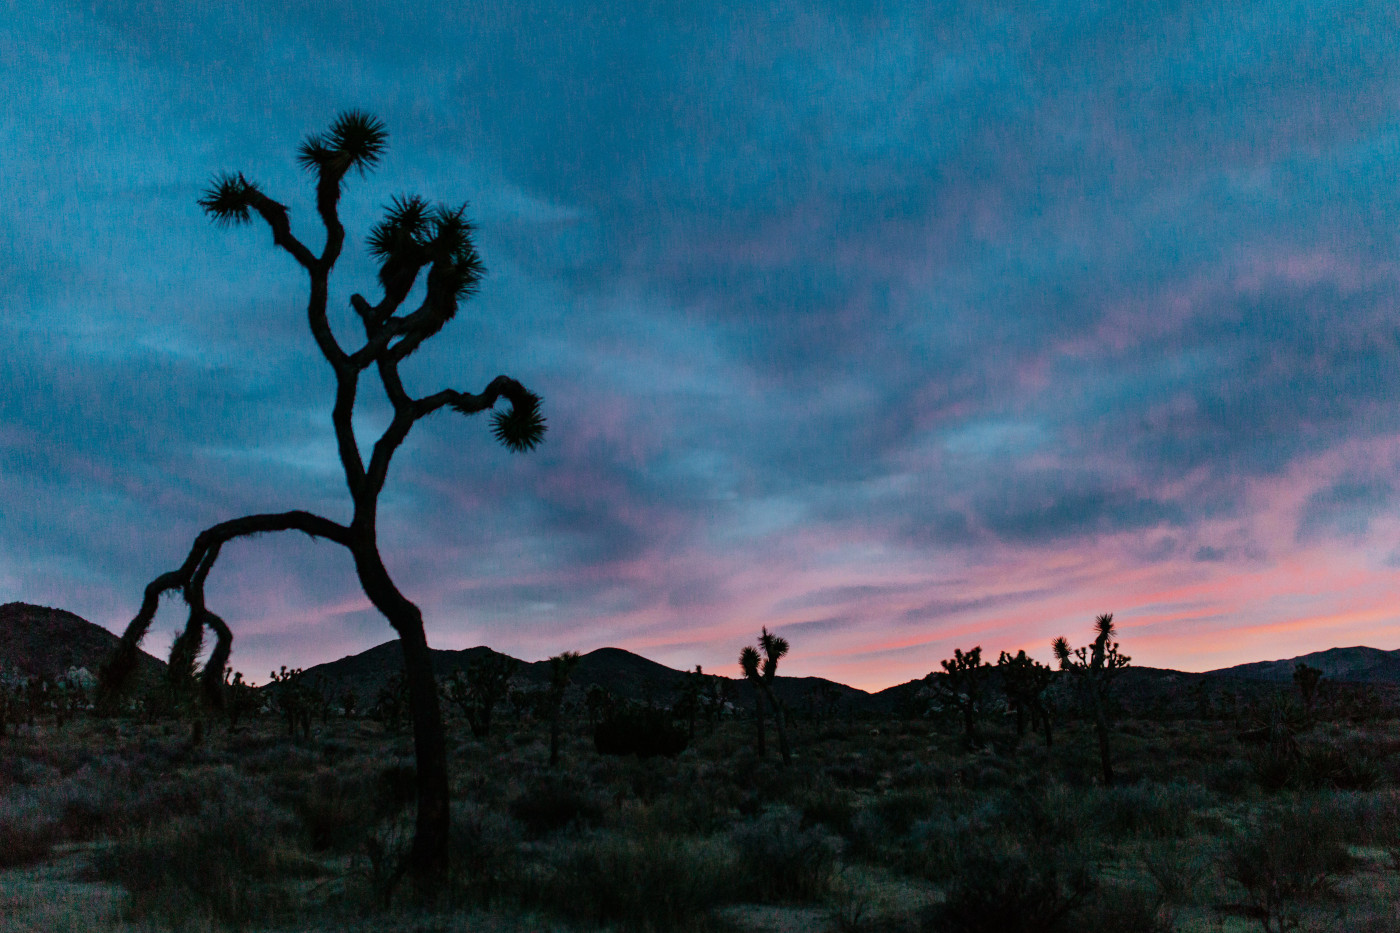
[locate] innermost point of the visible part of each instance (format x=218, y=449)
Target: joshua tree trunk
x=758, y=714
x=428, y=857
x=782, y=727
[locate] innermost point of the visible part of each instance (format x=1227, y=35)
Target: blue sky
x=892, y=327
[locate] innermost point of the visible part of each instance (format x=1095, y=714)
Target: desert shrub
x=485, y=853
x=553, y=802
x=222, y=861
x=396, y=788
x=1332, y=766
x=642, y=731
x=654, y=882
x=1010, y=891
x=1291, y=856
x=778, y=860
x=899, y=810
x=1149, y=809
x=28, y=828
x=824, y=804
x=1177, y=870
x=1122, y=909
x=1231, y=777
x=338, y=810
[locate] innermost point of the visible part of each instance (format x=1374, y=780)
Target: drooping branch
x=520, y=429
x=203, y=552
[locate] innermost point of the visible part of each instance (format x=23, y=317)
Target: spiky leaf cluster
x=414, y=234
x=229, y=199
x=355, y=140
x=749, y=661
x=522, y=427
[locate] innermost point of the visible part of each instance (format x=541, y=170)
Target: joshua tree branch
x=190, y=575
x=469, y=404
x=276, y=216
x=342, y=416
x=327, y=199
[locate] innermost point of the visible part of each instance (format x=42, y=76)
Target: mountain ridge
x=44, y=641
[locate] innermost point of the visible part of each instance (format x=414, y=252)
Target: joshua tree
x=415, y=239
x=1024, y=680
x=561, y=668
x=749, y=664
x=1307, y=677
x=477, y=692
x=774, y=648
x=960, y=685
x=295, y=699
x=1094, y=668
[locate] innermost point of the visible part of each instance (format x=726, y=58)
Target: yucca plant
x=415, y=241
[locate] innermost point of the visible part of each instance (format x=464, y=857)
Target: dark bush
x=1287, y=859
x=642, y=731
x=553, y=803
x=1011, y=892
x=219, y=862
x=781, y=861
x=655, y=883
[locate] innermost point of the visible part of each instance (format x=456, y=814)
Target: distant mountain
x=627, y=675
x=36, y=641
x=1353, y=665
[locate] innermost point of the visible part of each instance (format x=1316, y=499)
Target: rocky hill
x=37, y=641
x=1340, y=665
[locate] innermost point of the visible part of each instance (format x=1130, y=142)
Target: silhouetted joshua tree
x=960, y=686
x=561, y=668
x=774, y=649
x=415, y=240
x=1307, y=677
x=1024, y=681
x=1095, y=667
x=480, y=689
x=749, y=664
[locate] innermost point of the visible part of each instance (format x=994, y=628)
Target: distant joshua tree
x=960, y=685
x=479, y=690
x=1024, y=681
x=749, y=664
x=561, y=669
x=760, y=673
x=1094, y=668
x=774, y=649
x=1307, y=677
x=414, y=240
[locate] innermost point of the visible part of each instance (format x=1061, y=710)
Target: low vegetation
x=1275, y=811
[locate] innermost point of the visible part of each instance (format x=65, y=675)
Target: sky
x=893, y=327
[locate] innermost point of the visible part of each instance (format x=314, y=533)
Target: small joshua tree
x=415, y=240
x=1024, y=681
x=479, y=690
x=960, y=686
x=1306, y=678
x=749, y=664
x=1094, y=668
x=561, y=669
